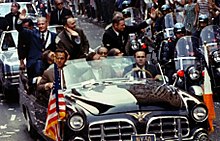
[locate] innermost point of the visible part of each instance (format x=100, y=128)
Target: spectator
x=191, y=12
x=57, y=16
x=73, y=39
x=40, y=39
x=13, y=16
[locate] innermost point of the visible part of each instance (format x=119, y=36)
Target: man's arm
x=45, y=84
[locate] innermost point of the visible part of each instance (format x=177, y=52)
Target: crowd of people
x=190, y=17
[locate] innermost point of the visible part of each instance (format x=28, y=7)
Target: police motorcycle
x=210, y=38
x=135, y=40
x=188, y=65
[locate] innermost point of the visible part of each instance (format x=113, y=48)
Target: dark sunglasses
x=60, y=3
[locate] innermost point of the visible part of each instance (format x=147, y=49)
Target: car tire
x=30, y=128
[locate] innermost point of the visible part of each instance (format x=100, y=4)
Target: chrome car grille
x=111, y=130
x=166, y=127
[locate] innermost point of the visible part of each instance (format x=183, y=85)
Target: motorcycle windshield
x=168, y=19
x=211, y=36
x=186, y=52
x=135, y=16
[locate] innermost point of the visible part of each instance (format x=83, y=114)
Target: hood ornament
x=140, y=116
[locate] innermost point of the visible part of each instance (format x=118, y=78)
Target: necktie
x=42, y=38
x=58, y=15
x=141, y=74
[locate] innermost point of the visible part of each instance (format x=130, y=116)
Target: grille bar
x=166, y=127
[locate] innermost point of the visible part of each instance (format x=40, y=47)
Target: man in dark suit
x=46, y=82
x=13, y=16
x=116, y=36
x=141, y=69
x=57, y=16
x=73, y=39
x=39, y=40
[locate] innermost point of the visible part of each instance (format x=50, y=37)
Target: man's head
x=70, y=22
x=140, y=58
x=15, y=7
x=179, y=30
x=42, y=24
x=203, y=21
x=102, y=51
x=61, y=57
x=28, y=23
x=59, y=4
x=118, y=24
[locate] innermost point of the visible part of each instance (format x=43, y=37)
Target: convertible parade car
x=117, y=107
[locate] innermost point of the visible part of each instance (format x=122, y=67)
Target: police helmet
x=126, y=13
x=165, y=7
x=126, y=4
x=203, y=18
x=179, y=28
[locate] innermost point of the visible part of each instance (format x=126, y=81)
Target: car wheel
x=30, y=127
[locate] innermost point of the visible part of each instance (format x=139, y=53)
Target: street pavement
x=12, y=122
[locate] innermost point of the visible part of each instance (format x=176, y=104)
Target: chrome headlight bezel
x=199, y=113
x=216, y=56
x=193, y=73
x=76, y=122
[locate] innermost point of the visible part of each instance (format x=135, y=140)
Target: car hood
x=108, y=99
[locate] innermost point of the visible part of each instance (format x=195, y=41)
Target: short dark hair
x=61, y=50
x=64, y=21
x=29, y=21
x=15, y=4
x=90, y=56
x=142, y=50
x=116, y=20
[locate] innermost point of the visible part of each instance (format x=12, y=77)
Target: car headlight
x=76, y=122
x=216, y=56
x=194, y=74
x=200, y=113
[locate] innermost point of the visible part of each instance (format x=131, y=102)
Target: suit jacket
x=75, y=50
x=35, y=47
x=151, y=68
x=54, y=16
x=9, y=19
x=48, y=76
x=111, y=40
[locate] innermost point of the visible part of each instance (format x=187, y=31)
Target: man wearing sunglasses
x=58, y=14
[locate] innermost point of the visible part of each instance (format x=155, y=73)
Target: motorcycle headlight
x=76, y=122
x=193, y=73
x=216, y=56
x=199, y=113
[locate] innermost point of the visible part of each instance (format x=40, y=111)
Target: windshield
x=187, y=46
x=169, y=23
x=186, y=52
x=5, y=8
x=10, y=40
x=211, y=36
x=78, y=71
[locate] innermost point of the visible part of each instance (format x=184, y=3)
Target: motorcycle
x=188, y=65
x=210, y=37
x=139, y=39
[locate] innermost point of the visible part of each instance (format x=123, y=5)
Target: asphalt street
x=12, y=123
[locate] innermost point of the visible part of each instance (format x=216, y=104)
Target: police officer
x=203, y=22
x=167, y=51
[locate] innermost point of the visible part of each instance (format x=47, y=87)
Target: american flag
x=56, y=110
